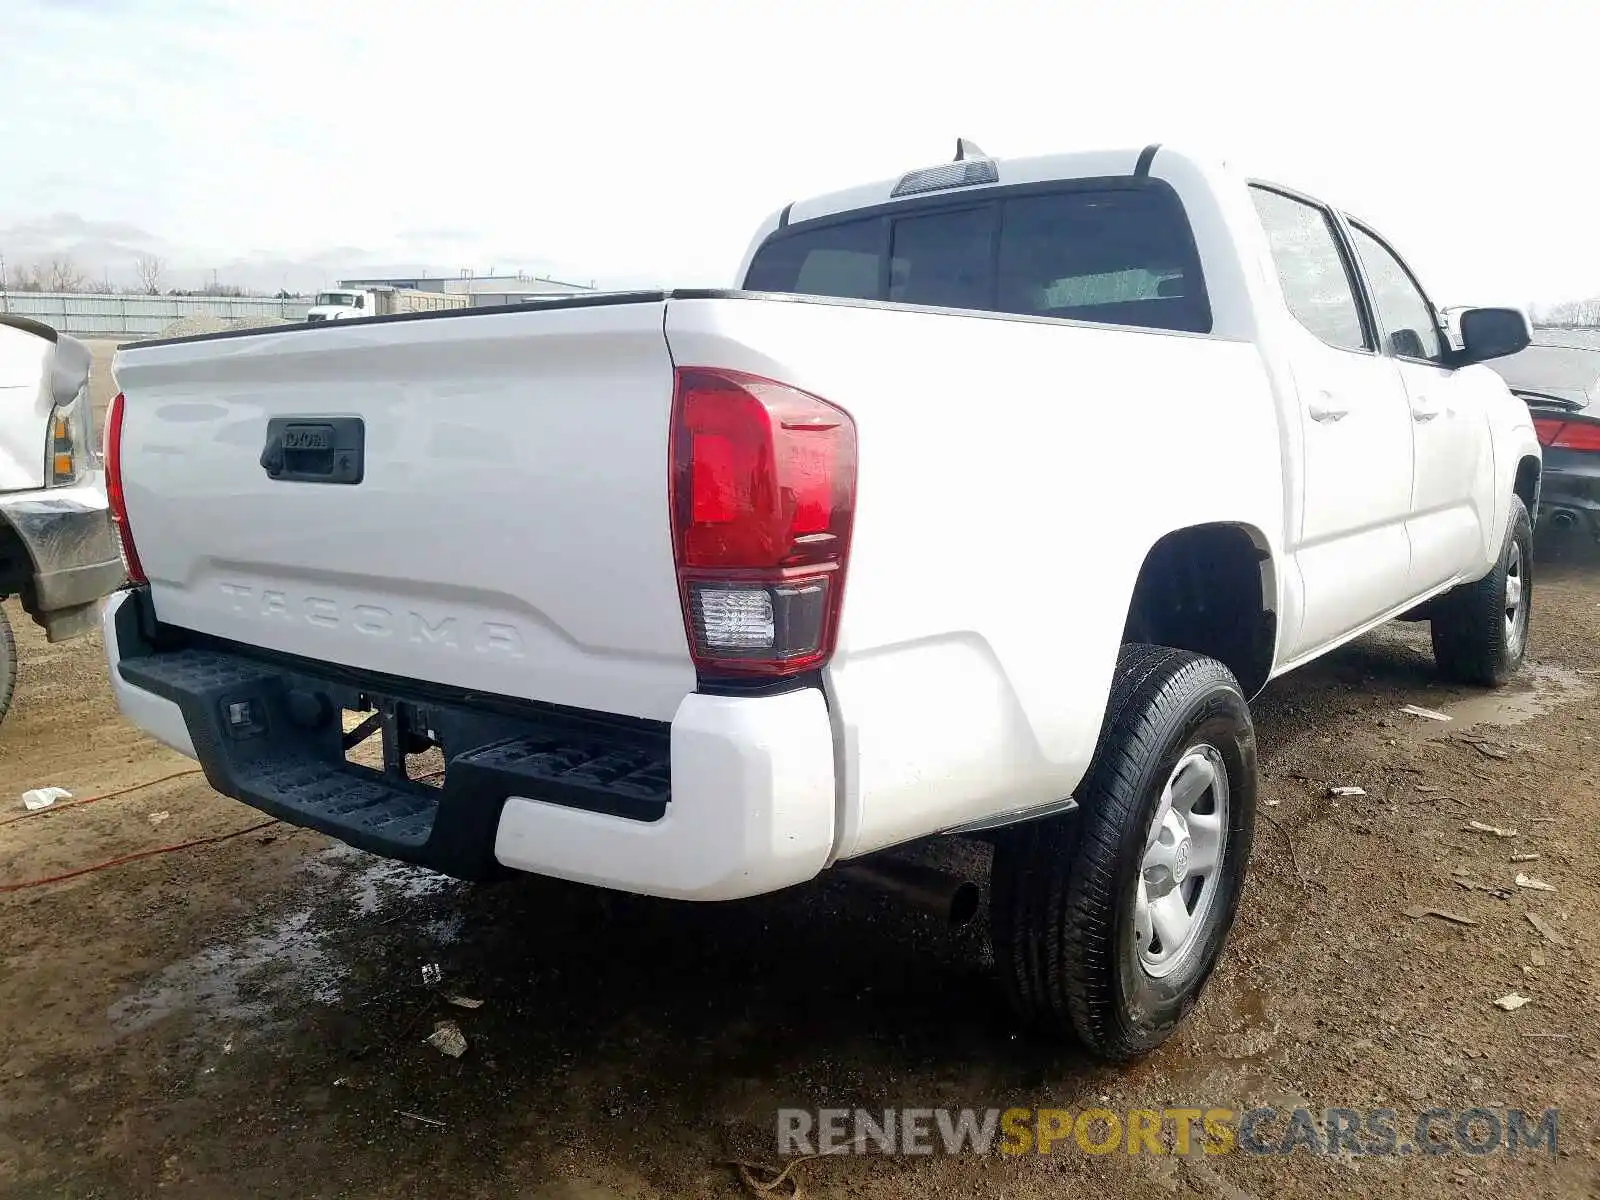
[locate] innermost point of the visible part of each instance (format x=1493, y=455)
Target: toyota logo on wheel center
x=1180, y=861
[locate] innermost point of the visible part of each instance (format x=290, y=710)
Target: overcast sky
x=633, y=142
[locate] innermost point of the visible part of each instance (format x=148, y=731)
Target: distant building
x=484, y=289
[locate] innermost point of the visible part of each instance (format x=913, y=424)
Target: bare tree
x=63, y=275
x=1573, y=312
x=26, y=279
x=149, y=268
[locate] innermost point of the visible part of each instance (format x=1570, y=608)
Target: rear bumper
x=752, y=809
x=734, y=798
x=67, y=534
x=1570, y=492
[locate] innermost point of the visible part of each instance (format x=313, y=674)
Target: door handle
x=1424, y=410
x=1326, y=410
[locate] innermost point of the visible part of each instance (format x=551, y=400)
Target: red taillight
x=1577, y=435
x=114, y=495
x=1546, y=431
x=1567, y=435
x=763, y=496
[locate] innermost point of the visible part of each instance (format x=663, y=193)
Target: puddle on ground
x=370, y=884
x=212, y=982
x=1553, y=687
x=239, y=983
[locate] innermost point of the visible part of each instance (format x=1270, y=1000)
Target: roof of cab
x=1042, y=168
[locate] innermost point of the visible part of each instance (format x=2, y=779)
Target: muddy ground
x=247, y=1017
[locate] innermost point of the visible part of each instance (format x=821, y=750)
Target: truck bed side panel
x=1013, y=476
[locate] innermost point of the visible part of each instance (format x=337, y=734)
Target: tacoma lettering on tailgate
x=372, y=620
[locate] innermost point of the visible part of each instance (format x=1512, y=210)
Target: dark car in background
x=1561, y=383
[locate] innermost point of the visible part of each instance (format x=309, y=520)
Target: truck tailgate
x=504, y=526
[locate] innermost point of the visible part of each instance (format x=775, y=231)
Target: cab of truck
x=346, y=304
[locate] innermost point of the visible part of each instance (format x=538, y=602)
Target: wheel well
x=1209, y=589
x=16, y=565
x=1527, y=485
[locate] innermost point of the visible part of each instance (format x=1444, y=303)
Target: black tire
x=1475, y=640
x=8, y=664
x=1062, y=908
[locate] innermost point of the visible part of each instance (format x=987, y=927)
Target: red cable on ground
x=128, y=858
x=54, y=808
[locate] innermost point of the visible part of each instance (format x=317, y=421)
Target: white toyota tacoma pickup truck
x=983, y=506
x=57, y=551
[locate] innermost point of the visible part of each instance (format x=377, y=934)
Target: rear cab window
x=1106, y=252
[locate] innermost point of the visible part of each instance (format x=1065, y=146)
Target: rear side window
x=1316, y=281
x=841, y=259
x=1121, y=256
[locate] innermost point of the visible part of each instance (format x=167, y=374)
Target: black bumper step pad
x=269, y=735
x=330, y=799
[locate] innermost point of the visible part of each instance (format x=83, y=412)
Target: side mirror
x=1491, y=333
x=1407, y=343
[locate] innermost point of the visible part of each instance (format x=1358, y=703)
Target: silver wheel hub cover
x=1175, y=898
x=1516, y=599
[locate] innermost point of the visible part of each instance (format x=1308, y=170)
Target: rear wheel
x=1480, y=630
x=1108, y=921
x=8, y=664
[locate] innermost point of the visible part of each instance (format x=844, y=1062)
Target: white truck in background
x=350, y=304
x=57, y=552
x=982, y=507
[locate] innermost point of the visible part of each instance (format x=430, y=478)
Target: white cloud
x=634, y=141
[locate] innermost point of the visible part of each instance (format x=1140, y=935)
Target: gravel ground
x=247, y=1017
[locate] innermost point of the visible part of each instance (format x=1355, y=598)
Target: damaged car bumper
x=64, y=554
